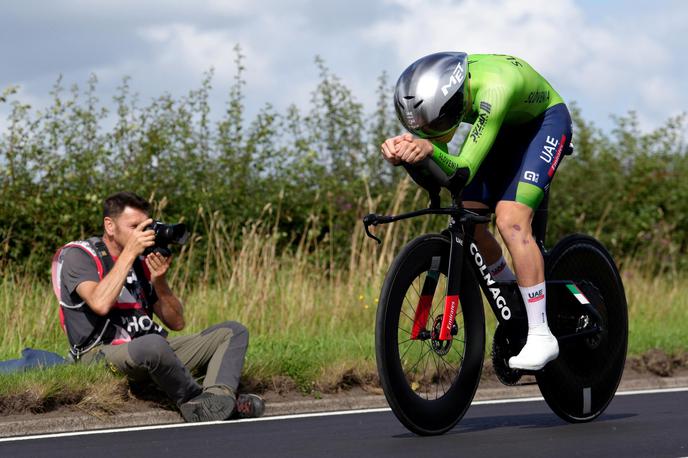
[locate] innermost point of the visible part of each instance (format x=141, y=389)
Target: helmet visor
x=449, y=118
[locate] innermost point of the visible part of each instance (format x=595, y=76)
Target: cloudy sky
x=609, y=56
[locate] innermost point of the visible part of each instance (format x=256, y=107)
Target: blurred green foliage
x=629, y=189
x=315, y=169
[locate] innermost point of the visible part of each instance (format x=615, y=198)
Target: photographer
x=109, y=291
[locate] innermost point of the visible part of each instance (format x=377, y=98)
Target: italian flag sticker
x=576, y=292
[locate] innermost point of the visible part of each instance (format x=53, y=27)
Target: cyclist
x=521, y=128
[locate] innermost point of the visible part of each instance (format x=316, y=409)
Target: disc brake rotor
x=441, y=347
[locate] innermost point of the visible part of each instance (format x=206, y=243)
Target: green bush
x=317, y=171
x=628, y=189
x=59, y=163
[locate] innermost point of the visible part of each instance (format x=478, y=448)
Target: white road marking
x=295, y=416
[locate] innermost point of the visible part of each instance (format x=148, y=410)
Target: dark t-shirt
x=130, y=316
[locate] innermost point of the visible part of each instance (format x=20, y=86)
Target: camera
x=165, y=235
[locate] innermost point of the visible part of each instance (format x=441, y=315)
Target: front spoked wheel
x=589, y=317
x=428, y=382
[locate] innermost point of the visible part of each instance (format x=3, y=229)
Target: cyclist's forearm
x=492, y=108
x=446, y=161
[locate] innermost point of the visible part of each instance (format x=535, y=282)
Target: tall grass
x=658, y=311
x=309, y=319
x=304, y=313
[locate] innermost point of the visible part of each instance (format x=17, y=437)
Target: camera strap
x=103, y=254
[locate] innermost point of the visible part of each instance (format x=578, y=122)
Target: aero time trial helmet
x=430, y=95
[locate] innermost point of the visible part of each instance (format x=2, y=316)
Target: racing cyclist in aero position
x=521, y=129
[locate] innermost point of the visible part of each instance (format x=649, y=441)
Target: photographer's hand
x=139, y=240
x=158, y=265
x=168, y=307
x=101, y=296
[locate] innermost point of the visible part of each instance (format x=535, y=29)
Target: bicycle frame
x=503, y=297
x=460, y=232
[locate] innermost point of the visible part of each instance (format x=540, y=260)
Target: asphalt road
x=639, y=425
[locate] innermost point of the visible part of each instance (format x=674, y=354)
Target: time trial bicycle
x=430, y=324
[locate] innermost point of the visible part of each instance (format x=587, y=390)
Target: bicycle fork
x=445, y=331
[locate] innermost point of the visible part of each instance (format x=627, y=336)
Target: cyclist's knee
x=513, y=222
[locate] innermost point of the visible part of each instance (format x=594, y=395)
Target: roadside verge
x=68, y=421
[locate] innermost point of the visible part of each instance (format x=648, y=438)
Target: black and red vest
x=131, y=316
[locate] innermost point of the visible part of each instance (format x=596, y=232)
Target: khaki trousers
x=216, y=355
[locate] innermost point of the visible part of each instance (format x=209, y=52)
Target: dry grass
x=311, y=322
x=86, y=388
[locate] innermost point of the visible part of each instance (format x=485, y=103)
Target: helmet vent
x=409, y=97
x=418, y=104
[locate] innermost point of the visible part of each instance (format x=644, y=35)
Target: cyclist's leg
x=478, y=195
x=488, y=245
x=541, y=154
x=514, y=213
x=514, y=224
x=483, y=192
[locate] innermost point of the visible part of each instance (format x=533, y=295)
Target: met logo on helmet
x=455, y=78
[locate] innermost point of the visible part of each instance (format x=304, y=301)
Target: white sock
x=541, y=346
x=536, y=306
x=500, y=270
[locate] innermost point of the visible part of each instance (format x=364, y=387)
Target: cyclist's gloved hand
x=459, y=180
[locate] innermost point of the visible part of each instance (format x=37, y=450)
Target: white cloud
x=186, y=48
x=177, y=7
x=656, y=89
x=576, y=54
x=609, y=64
x=278, y=65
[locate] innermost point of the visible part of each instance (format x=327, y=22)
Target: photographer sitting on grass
x=110, y=287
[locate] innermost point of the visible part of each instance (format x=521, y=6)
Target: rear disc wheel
x=579, y=385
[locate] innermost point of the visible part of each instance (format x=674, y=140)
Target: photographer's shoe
x=540, y=348
x=208, y=406
x=249, y=406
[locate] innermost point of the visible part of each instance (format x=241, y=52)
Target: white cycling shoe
x=540, y=348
